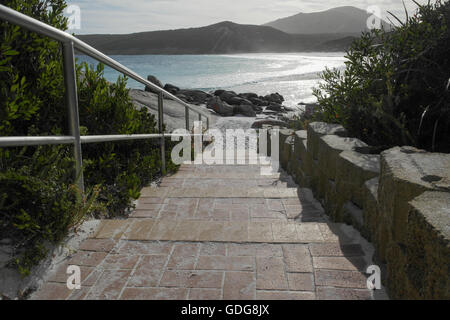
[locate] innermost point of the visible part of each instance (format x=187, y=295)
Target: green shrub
x=122, y=168
x=39, y=202
x=394, y=90
x=31, y=76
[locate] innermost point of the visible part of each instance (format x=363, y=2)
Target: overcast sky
x=122, y=16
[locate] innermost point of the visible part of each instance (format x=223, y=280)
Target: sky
x=122, y=16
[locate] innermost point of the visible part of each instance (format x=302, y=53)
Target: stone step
x=230, y=167
x=217, y=231
x=220, y=192
x=227, y=175
x=214, y=183
x=221, y=168
x=226, y=172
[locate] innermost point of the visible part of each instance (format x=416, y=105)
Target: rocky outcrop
x=227, y=96
x=268, y=122
x=220, y=107
x=258, y=101
x=153, y=80
x=196, y=97
x=248, y=95
x=171, y=88
x=248, y=104
x=174, y=113
x=245, y=110
x=257, y=109
x=275, y=98
x=275, y=107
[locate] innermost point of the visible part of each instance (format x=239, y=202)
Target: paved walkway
x=219, y=232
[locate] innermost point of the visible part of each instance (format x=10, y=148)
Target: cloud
x=121, y=16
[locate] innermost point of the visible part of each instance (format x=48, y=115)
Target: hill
x=221, y=38
x=344, y=20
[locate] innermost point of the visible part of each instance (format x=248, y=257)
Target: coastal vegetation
x=395, y=89
x=39, y=200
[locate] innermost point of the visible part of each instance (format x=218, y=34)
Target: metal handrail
x=69, y=44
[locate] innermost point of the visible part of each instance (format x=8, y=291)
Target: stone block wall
x=399, y=200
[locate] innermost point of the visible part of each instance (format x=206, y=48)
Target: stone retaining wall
x=399, y=200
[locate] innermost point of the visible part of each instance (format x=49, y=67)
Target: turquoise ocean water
x=293, y=75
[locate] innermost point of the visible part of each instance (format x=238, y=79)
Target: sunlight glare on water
x=292, y=75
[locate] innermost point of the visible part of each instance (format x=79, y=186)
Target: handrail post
x=72, y=103
x=200, y=119
x=160, y=127
x=186, y=115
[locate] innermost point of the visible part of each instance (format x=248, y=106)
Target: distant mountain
x=344, y=20
x=220, y=38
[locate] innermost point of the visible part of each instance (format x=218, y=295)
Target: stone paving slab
x=228, y=176
x=228, y=209
x=214, y=183
x=220, y=192
x=221, y=231
x=205, y=270
x=217, y=232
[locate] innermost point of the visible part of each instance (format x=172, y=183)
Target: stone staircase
x=219, y=232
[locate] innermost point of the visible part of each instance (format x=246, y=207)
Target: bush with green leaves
x=121, y=169
x=39, y=202
x=395, y=88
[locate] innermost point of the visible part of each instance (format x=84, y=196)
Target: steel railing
x=69, y=44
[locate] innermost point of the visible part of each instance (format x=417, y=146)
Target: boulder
x=171, y=88
x=236, y=101
x=227, y=96
x=257, y=109
x=258, y=101
x=245, y=110
x=195, y=96
x=248, y=95
x=182, y=97
x=274, y=97
x=275, y=107
x=220, y=107
x=219, y=92
x=271, y=122
x=153, y=80
x=174, y=113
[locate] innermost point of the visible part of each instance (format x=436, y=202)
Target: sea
x=293, y=75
